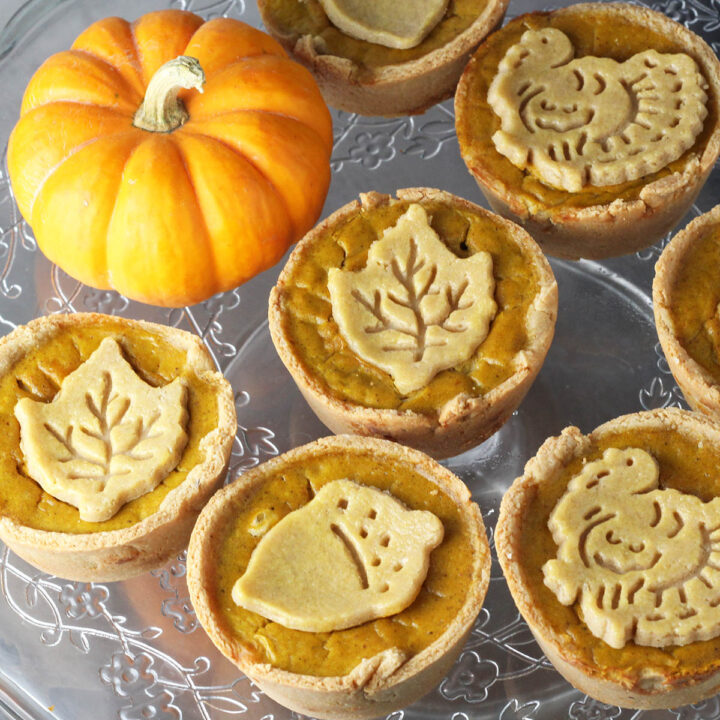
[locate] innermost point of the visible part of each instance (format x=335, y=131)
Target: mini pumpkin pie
x=342, y=577
x=610, y=544
x=594, y=126
x=115, y=434
x=382, y=57
x=686, y=299
x=423, y=319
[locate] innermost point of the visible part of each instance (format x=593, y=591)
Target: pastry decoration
x=386, y=22
x=416, y=308
x=593, y=120
x=106, y=438
x=351, y=555
x=642, y=562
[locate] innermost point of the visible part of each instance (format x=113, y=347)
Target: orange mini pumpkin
x=188, y=192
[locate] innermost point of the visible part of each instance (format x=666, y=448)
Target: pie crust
x=700, y=388
x=655, y=684
x=123, y=553
x=377, y=685
x=406, y=88
x=464, y=421
x=610, y=227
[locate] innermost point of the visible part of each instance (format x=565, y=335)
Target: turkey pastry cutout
x=642, y=562
x=106, y=438
x=416, y=308
x=351, y=555
x=593, y=120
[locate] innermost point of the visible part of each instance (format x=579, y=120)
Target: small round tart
x=579, y=182
x=323, y=339
x=89, y=404
x=609, y=543
x=686, y=296
x=255, y=526
x=369, y=78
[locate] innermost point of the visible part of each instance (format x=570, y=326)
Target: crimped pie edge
x=374, y=687
x=699, y=387
x=653, y=687
x=404, y=88
x=463, y=421
x=126, y=552
x=621, y=226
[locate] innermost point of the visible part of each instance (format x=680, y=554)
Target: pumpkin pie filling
x=307, y=17
x=590, y=36
x=336, y=653
x=320, y=346
x=38, y=376
x=694, y=298
x=685, y=465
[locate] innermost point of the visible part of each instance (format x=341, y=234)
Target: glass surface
x=133, y=650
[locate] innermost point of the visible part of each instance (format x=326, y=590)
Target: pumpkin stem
x=162, y=110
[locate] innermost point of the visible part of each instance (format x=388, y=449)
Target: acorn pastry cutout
x=362, y=547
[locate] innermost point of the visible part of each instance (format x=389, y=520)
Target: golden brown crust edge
x=463, y=422
x=623, y=226
x=652, y=688
x=406, y=89
x=378, y=685
x=699, y=387
x=124, y=553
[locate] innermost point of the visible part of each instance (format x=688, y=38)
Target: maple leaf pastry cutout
x=107, y=437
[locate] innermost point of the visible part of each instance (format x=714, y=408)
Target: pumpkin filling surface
x=684, y=466
x=306, y=17
x=38, y=376
x=694, y=298
x=591, y=34
x=336, y=653
x=314, y=333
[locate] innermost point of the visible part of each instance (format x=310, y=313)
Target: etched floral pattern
x=660, y=393
x=371, y=141
x=82, y=600
x=16, y=240
x=701, y=16
x=471, y=678
x=128, y=675
x=212, y=8
x=706, y=710
x=514, y=710
x=157, y=707
x=372, y=149
x=589, y=709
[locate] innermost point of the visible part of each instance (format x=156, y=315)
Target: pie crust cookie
x=391, y=677
x=423, y=383
x=395, y=82
x=547, y=154
x=95, y=442
x=683, y=264
x=609, y=543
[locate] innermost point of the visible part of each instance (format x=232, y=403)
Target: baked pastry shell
x=699, y=387
x=621, y=226
x=127, y=552
x=652, y=687
x=403, y=89
x=463, y=422
x=376, y=686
